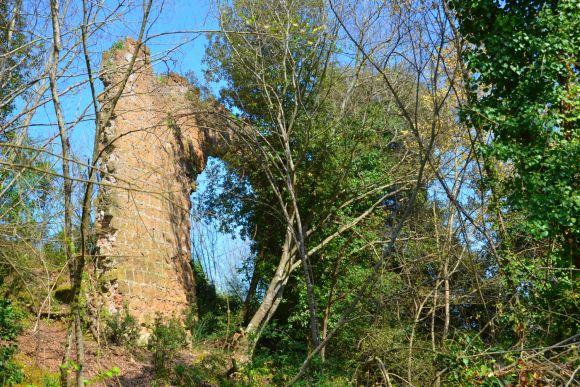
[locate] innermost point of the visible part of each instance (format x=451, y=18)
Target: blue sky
x=225, y=251
x=181, y=53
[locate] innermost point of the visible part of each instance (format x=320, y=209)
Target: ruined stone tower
x=152, y=151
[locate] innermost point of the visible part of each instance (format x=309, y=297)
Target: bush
x=122, y=329
x=10, y=373
x=208, y=371
x=51, y=380
x=166, y=340
x=10, y=328
x=210, y=326
x=194, y=326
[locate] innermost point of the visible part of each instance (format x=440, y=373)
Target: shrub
x=167, y=338
x=10, y=328
x=122, y=329
x=118, y=45
x=210, y=326
x=51, y=380
x=207, y=370
x=104, y=376
x=194, y=326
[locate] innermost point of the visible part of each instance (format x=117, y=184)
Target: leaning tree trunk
x=245, y=342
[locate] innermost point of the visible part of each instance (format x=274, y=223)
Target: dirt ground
x=41, y=351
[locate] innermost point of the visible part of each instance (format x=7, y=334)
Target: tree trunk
x=326, y=316
x=248, y=338
x=67, y=186
x=251, y=291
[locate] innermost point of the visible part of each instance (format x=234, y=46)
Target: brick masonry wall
x=151, y=153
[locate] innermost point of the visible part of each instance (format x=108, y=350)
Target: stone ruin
x=152, y=150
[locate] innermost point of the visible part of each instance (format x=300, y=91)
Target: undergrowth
x=10, y=328
x=122, y=329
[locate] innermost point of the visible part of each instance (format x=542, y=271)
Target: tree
x=50, y=85
x=525, y=97
x=283, y=78
x=523, y=102
x=284, y=74
x=15, y=55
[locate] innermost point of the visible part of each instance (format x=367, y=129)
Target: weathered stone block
x=123, y=287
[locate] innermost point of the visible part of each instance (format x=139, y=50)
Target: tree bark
x=251, y=291
x=67, y=187
x=248, y=338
